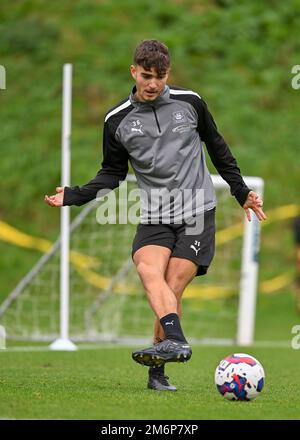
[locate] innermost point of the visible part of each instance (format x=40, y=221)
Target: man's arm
x=220, y=153
x=114, y=170
x=225, y=163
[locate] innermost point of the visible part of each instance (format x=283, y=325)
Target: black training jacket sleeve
x=220, y=153
x=114, y=170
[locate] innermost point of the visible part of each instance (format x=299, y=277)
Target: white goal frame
x=247, y=286
x=248, y=275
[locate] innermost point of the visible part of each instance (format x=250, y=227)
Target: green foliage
x=29, y=36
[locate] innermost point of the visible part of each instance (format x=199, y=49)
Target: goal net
x=107, y=300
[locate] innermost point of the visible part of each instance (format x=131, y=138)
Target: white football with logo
x=239, y=376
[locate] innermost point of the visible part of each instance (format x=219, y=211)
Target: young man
x=159, y=129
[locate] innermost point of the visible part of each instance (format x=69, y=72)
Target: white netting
x=106, y=296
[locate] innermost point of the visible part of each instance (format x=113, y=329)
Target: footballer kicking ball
x=239, y=377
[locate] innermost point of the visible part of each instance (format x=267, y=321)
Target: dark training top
x=162, y=140
x=297, y=229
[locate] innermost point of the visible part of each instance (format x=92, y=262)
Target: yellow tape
x=83, y=262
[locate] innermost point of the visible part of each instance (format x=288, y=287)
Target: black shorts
x=199, y=247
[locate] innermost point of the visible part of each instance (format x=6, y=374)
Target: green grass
x=275, y=317
x=106, y=384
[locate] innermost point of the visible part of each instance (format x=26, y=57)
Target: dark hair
x=152, y=53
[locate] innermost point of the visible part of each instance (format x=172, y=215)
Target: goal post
x=63, y=342
x=107, y=301
x=249, y=272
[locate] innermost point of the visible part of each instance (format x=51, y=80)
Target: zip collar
x=161, y=99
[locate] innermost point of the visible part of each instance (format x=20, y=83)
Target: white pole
x=64, y=343
x=249, y=275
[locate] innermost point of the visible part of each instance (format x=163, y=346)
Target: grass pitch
x=104, y=383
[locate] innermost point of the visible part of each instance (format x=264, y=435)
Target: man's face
x=148, y=84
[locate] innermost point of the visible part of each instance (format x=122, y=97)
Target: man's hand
x=56, y=200
x=255, y=203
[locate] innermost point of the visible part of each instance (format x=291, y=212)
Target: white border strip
x=183, y=92
x=118, y=109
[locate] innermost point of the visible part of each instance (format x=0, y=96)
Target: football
x=239, y=377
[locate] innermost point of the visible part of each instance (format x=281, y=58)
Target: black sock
x=157, y=370
x=172, y=328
